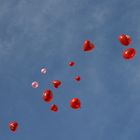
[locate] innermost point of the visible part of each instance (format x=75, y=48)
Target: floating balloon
x=71, y=63
x=43, y=70
x=129, y=53
x=13, y=126
x=35, y=84
x=47, y=95
x=75, y=103
x=54, y=108
x=56, y=83
x=77, y=78
x=88, y=46
x=125, y=39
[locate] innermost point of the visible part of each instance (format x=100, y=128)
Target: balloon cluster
x=48, y=95
x=75, y=102
x=126, y=41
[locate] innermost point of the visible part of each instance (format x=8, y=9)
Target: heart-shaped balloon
x=88, y=46
x=56, y=83
x=13, y=126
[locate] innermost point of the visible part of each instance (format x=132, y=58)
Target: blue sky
x=50, y=33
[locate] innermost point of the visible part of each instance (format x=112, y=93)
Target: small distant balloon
x=77, y=78
x=75, y=103
x=71, y=63
x=35, y=84
x=54, y=108
x=13, y=126
x=129, y=53
x=56, y=83
x=125, y=39
x=47, y=95
x=43, y=70
x=88, y=46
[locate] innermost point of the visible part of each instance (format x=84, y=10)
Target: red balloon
x=54, y=108
x=13, y=126
x=129, y=53
x=77, y=78
x=47, y=95
x=88, y=46
x=71, y=63
x=56, y=83
x=125, y=39
x=75, y=103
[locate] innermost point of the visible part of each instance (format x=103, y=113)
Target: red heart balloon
x=13, y=126
x=56, y=83
x=88, y=46
x=47, y=95
x=125, y=39
x=75, y=103
x=77, y=78
x=129, y=53
x=54, y=108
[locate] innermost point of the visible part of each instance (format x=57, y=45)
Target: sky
x=50, y=33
